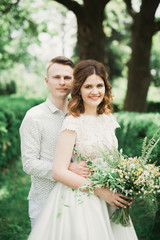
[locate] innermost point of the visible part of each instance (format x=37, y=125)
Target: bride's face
x=92, y=91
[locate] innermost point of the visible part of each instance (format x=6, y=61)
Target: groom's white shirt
x=39, y=132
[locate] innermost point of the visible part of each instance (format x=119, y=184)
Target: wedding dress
x=72, y=215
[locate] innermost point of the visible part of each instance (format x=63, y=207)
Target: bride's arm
x=62, y=159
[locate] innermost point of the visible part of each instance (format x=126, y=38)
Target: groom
x=39, y=132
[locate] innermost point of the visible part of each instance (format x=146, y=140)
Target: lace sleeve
x=115, y=124
x=70, y=123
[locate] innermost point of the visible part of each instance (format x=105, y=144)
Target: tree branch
x=8, y=8
x=156, y=27
x=97, y=3
x=71, y=5
x=102, y=3
x=130, y=9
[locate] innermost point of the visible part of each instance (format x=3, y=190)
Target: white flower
x=151, y=182
x=115, y=191
x=132, y=165
x=141, y=178
x=146, y=173
x=111, y=157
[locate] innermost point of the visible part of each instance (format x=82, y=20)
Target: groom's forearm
x=38, y=168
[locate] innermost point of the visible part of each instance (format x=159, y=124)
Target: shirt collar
x=51, y=106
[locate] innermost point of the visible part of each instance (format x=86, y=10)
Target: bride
x=90, y=125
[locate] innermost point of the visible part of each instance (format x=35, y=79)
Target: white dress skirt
x=70, y=216
x=66, y=216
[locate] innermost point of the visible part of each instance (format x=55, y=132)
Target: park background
x=125, y=36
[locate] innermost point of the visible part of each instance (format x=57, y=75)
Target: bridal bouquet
x=130, y=176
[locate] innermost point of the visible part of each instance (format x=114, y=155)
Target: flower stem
x=121, y=216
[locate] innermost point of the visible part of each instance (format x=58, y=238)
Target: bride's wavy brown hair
x=82, y=71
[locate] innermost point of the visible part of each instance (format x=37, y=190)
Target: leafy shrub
x=11, y=87
x=116, y=107
x=8, y=137
x=3, y=136
x=8, y=88
x=134, y=127
x=153, y=107
x=12, y=111
x=14, y=219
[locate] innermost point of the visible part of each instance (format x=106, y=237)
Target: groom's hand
x=79, y=168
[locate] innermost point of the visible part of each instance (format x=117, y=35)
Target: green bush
x=153, y=107
x=8, y=88
x=11, y=87
x=8, y=137
x=134, y=128
x=12, y=111
x=14, y=219
x=3, y=136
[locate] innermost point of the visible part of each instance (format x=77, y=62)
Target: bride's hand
x=79, y=168
x=117, y=200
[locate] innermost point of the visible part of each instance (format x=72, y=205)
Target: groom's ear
x=46, y=79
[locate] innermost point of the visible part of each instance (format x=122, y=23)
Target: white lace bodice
x=92, y=133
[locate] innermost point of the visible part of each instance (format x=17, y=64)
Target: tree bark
x=139, y=65
x=90, y=34
x=91, y=38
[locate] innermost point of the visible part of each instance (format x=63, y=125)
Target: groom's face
x=59, y=80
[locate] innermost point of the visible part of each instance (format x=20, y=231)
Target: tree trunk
x=91, y=38
x=90, y=35
x=139, y=64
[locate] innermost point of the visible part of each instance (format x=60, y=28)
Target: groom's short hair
x=60, y=60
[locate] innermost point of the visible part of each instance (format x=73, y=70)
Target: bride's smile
x=92, y=92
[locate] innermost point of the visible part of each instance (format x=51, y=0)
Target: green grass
x=14, y=220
